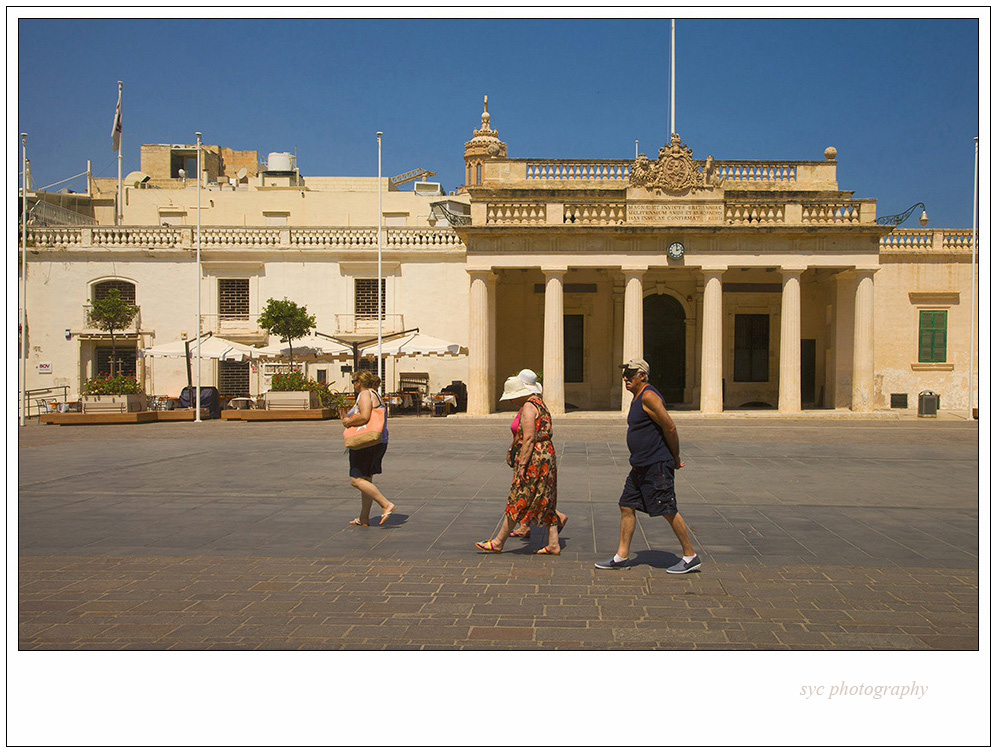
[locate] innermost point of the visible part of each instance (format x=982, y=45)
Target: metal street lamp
x=380, y=298
x=897, y=219
x=24, y=278
x=197, y=244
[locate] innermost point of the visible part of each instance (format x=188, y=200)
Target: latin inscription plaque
x=674, y=214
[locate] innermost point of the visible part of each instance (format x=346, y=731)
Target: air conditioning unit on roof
x=425, y=188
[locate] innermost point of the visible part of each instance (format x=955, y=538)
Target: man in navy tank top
x=653, y=441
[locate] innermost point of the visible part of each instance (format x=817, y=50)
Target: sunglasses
x=630, y=373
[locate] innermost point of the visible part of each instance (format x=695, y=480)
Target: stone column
x=711, y=390
x=633, y=324
x=479, y=346
x=493, y=375
x=844, y=338
x=615, y=380
x=789, y=343
x=862, y=361
x=553, y=367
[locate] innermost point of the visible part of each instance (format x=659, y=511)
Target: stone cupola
x=484, y=146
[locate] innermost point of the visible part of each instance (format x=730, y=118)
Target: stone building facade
x=743, y=283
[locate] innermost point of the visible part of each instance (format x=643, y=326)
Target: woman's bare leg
x=553, y=543
x=368, y=494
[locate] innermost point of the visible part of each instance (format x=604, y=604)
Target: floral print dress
x=533, y=501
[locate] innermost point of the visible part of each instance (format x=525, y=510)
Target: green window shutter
x=932, y=337
x=941, y=336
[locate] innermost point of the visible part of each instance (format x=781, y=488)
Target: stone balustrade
x=832, y=213
x=733, y=174
x=927, y=240
x=754, y=214
x=240, y=237
x=54, y=236
x=961, y=240
x=577, y=170
x=416, y=237
x=595, y=213
x=515, y=213
x=745, y=171
x=145, y=237
x=334, y=237
x=900, y=240
x=182, y=237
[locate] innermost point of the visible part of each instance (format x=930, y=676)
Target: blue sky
x=899, y=99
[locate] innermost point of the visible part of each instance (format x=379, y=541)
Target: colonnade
x=482, y=380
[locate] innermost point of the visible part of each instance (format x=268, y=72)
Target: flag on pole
x=116, y=127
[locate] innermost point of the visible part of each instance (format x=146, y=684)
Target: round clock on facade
x=676, y=250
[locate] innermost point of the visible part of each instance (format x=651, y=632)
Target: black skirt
x=367, y=462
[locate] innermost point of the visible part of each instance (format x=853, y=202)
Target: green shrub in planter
x=105, y=384
x=293, y=382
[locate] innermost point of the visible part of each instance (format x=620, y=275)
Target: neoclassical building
x=743, y=283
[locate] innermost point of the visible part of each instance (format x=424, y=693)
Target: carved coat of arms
x=673, y=171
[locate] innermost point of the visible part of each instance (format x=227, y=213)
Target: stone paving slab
x=227, y=535
x=204, y=602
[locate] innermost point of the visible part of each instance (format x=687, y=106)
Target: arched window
x=121, y=359
x=102, y=288
x=478, y=174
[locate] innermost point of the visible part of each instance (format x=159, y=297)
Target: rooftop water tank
x=280, y=162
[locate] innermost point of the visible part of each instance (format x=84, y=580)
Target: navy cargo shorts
x=651, y=489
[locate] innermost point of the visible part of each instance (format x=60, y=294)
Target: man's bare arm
x=655, y=408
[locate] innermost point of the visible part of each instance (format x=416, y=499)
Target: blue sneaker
x=612, y=564
x=686, y=567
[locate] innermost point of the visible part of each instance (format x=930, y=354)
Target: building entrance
x=664, y=345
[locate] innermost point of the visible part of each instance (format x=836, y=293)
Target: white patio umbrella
x=211, y=347
x=311, y=346
x=417, y=344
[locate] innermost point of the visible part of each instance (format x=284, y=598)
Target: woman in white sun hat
x=529, y=378
x=533, y=496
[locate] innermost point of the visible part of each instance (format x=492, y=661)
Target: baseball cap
x=636, y=363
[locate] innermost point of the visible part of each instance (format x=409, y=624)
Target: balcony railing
x=237, y=327
x=354, y=325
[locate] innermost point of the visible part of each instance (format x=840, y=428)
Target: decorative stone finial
x=830, y=153
x=486, y=143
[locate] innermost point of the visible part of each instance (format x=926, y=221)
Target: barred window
x=233, y=378
x=102, y=289
x=233, y=299
x=124, y=362
x=365, y=301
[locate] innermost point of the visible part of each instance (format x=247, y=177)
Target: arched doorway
x=664, y=345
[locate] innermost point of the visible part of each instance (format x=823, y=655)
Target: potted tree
x=112, y=393
x=290, y=322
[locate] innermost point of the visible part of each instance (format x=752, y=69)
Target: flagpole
x=380, y=300
x=197, y=246
x=972, y=309
x=117, y=124
x=673, y=81
x=24, y=278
